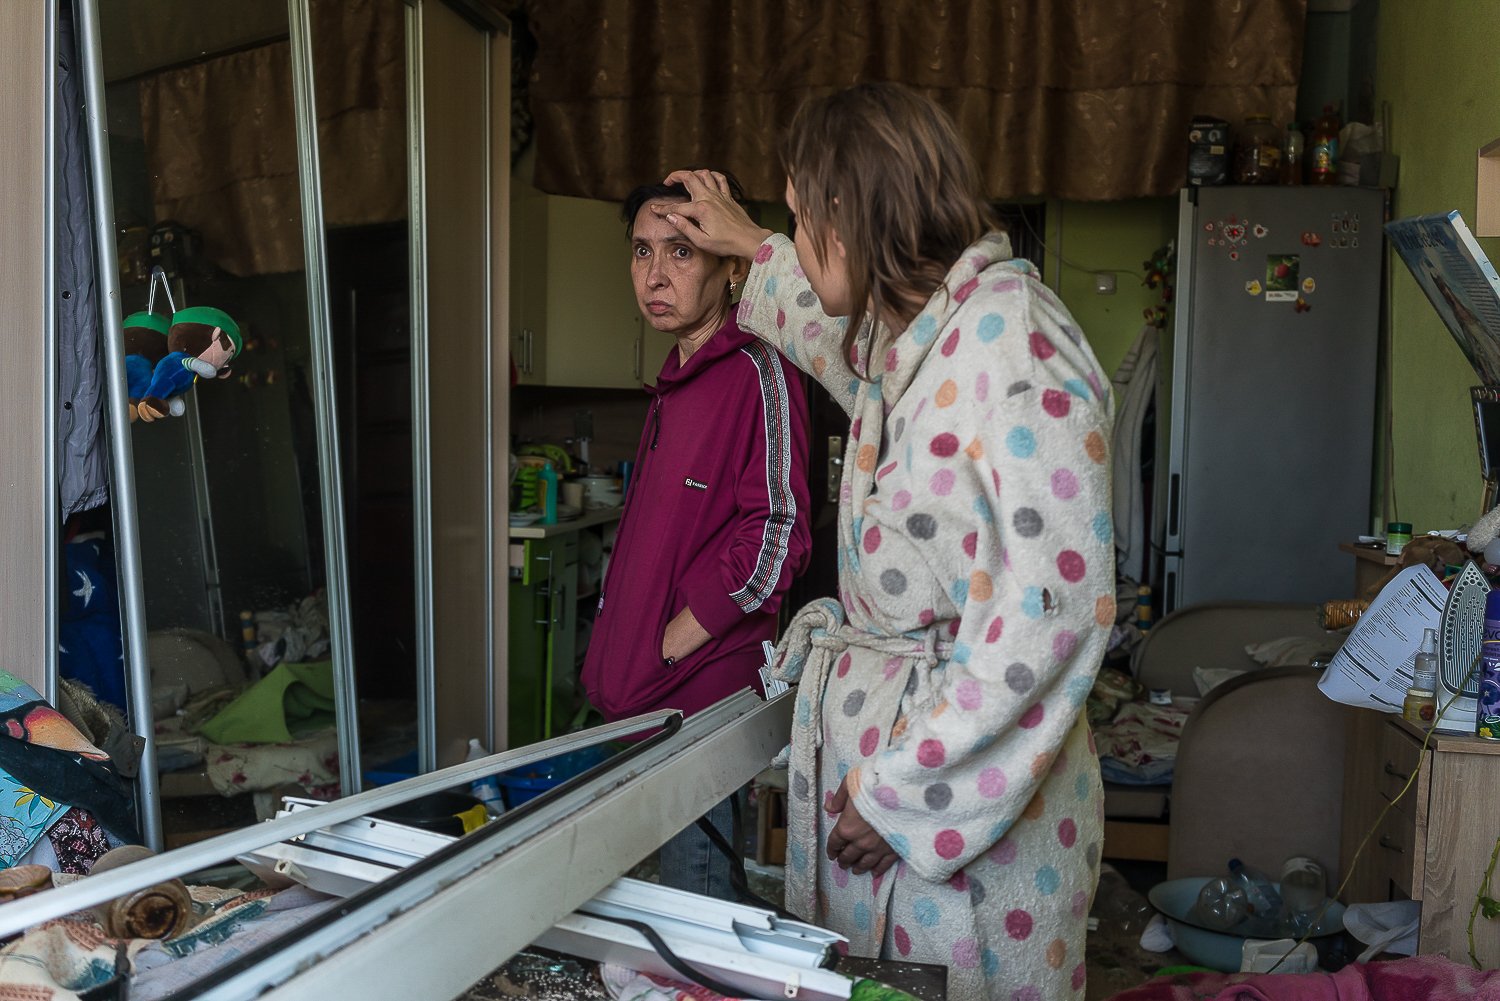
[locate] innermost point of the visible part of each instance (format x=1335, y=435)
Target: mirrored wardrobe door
x=459, y=62
x=359, y=80
x=228, y=373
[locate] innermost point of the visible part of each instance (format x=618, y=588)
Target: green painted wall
x=1099, y=236
x=1442, y=82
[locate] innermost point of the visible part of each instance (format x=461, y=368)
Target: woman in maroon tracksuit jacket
x=715, y=522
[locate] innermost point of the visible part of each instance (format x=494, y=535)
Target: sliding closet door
x=25, y=637
x=460, y=406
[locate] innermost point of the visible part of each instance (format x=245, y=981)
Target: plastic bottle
x=1421, y=705
x=1221, y=904
x=1257, y=152
x=1118, y=906
x=547, y=485
x=1293, y=155
x=1143, y=611
x=1323, y=154
x=1304, y=888
x=1487, y=711
x=1261, y=895
x=486, y=789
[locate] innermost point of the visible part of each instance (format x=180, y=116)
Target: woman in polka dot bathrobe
x=939, y=755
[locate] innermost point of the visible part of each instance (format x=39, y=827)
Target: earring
x=732, y=286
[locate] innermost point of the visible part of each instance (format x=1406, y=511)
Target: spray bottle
x=486, y=789
x=547, y=483
x=1420, y=706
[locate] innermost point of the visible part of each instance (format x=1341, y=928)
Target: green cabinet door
x=544, y=692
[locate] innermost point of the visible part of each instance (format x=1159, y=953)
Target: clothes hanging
x=1135, y=392
x=82, y=456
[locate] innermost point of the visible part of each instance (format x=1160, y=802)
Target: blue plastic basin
x=1215, y=949
x=523, y=784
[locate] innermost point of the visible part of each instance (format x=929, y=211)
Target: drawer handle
x=1387, y=843
x=1391, y=770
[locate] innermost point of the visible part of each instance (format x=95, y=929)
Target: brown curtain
x=1077, y=99
x=221, y=138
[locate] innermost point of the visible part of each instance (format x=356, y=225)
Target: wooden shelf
x=588, y=519
x=1370, y=554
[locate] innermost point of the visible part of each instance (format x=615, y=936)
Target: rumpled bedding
x=1139, y=747
x=312, y=763
x=279, y=731
x=1398, y=980
x=1137, y=740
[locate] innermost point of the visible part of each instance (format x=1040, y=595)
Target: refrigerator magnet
x=1282, y=277
x=1309, y=286
x=1252, y=287
x=1261, y=232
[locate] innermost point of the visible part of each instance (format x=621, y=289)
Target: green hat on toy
x=210, y=316
x=146, y=321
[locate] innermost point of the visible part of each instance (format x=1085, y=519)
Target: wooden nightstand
x=1371, y=564
x=1435, y=843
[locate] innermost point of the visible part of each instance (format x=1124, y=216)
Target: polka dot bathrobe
x=976, y=576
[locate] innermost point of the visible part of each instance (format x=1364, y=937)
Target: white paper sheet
x=1373, y=669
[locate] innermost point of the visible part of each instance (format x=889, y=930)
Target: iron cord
x=673, y=960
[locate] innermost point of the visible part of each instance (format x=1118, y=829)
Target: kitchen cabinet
x=574, y=319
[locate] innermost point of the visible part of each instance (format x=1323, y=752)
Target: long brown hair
x=885, y=167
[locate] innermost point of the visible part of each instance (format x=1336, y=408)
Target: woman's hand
x=853, y=843
x=713, y=221
x=683, y=635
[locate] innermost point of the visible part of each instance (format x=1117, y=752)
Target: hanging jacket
x=82, y=459
x=715, y=520
x=1135, y=384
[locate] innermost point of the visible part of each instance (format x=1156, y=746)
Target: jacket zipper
x=655, y=423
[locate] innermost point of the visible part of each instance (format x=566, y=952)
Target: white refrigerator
x=1273, y=393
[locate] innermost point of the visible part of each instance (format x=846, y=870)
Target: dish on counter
x=520, y=519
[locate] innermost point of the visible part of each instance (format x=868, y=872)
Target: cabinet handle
x=1391, y=770
x=1389, y=845
x=526, y=335
x=637, y=359
x=546, y=619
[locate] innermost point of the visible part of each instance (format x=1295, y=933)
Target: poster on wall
x=1459, y=281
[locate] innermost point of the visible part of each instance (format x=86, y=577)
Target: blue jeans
x=689, y=861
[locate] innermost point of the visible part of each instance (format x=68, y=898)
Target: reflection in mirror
x=226, y=440
x=359, y=70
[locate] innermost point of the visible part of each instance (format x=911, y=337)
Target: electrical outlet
x=1104, y=283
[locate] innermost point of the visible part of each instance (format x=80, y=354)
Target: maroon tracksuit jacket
x=715, y=520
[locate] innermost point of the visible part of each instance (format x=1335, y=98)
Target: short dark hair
x=631, y=206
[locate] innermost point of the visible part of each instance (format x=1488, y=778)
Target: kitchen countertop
x=599, y=516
